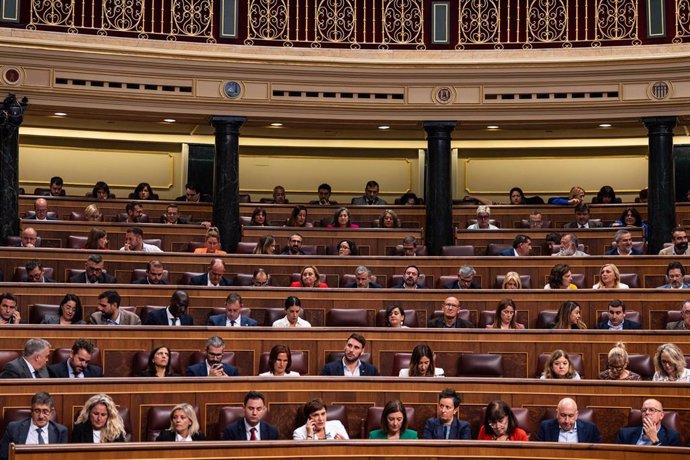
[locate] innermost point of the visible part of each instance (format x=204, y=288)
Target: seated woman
x=500, y=424
x=516, y=196
x=347, y=248
x=159, y=363
x=569, y=316
x=101, y=191
x=505, y=317
x=70, y=311
x=143, y=191
x=393, y=423
x=309, y=278
x=559, y=366
x=669, y=364
x=279, y=362
x=560, y=278
x=97, y=239
x=259, y=217
x=617, y=364
x=631, y=217
x=341, y=219
x=610, y=278
x=266, y=245
x=298, y=217
x=575, y=197
x=395, y=317
x=293, y=308
x=512, y=281
x=388, y=219
x=409, y=199
x=211, y=243
x=184, y=427
x=606, y=195
x=422, y=363
x=317, y=426
x=93, y=214
x=99, y=422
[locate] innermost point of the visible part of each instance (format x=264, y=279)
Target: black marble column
x=438, y=193
x=226, y=181
x=11, y=117
x=661, y=205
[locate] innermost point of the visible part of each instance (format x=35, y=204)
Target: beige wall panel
x=680, y=89
x=37, y=77
x=468, y=94
x=208, y=88
x=635, y=91
x=419, y=95
x=255, y=90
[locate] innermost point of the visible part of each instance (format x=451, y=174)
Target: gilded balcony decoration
x=682, y=20
x=52, y=13
x=547, y=22
x=335, y=22
x=268, y=20
x=479, y=23
x=403, y=22
x=122, y=16
x=617, y=20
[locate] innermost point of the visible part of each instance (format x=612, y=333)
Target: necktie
x=446, y=431
x=232, y=324
x=582, y=226
x=110, y=322
x=36, y=376
x=40, y=436
x=252, y=436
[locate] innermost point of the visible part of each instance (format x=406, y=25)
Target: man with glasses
x=212, y=366
x=32, y=364
x=483, y=219
x=94, y=272
x=651, y=432
x=260, y=278
x=214, y=277
x=684, y=323
x=675, y=273
x=567, y=427
x=109, y=311
x=35, y=272
x=232, y=316
x=37, y=429
x=451, y=316
x=465, y=280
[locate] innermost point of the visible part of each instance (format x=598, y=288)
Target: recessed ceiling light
x=605, y=125
x=492, y=127
x=276, y=125
x=384, y=127
x=169, y=120
x=60, y=114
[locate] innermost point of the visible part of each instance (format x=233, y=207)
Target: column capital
x=12, y=111
x=437, y=126
x=662, y=124
x=224, y=121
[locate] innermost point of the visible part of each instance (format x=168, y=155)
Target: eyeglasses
x=450, y=305
x=41, y=411
x=650, y=410
x=482, y=216
x=617, y=368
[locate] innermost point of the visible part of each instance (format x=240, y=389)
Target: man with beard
x=410, y=279
x=78, y=364
x=569, y=247
x=110, y=313
x=675, y=272
x=174, y=314
x=680, y=244
x=294, y=247
x=351, y=365
x=213, y=365
x=94, y=273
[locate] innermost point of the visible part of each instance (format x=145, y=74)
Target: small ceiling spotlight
x=384, y=127
x=60, y=114
x=169, y=120
x=605, y=125
x=492, y=127
x=276, y=125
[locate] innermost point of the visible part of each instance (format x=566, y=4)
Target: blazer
x=146, y=281
x=676, y=325
x=627, y=324
x=439, y=323
x=614, y=252
x=160, y=318
x=665, y=286
x=508, y=252
x=336, y=368
x=33, y=216
x=592, y=224
x=380, y=434
x=401, y=285
x=459, y=429
x=456, y=285
x=199, y=370
x=220, y=320
x=55, y=319
x=354, y=285
x=126, y=318
x=169, y=436
x=362, y=200
x=18, y=369
x=586, y=432
x=630, y=435
x=103, y=279
x=236, y=431
x=202, y=280
x=83, y=433
x=18, y=431
x=60, y=371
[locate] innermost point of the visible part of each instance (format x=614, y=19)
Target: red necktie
x=252, y=437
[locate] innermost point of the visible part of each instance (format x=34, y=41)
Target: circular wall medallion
x=444, y=95
x=659, y=90
x=232, y=89
x=11, y=75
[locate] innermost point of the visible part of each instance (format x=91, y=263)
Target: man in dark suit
x=684, y=323
x=94, y=272
x=465, y=280
x=410, y=278
x=582, y=219
x=250, y=427
x=193, y=195
x=154, y=274
x=294, y=247
x=617, y=319
x=675, y=273
x=38, y=429
x=32, y=363
x=212, y=366
x=566, y=427
x=351, y=365
x=214, y=277
x=40, y=211
x=451, y=316
x=28, y=238
x=35, y=272
x=651, y=432
x=362, y=279
x=624, y=245
x=447, y=425
x=172, y=216
x=324, y=192
x=232, y=317
x=371, y=195
x=522, y=246
x=9, y=313
x=78, y=364
x=174, y=314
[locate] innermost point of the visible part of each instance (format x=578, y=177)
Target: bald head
x=29, y=237
x=566, y=414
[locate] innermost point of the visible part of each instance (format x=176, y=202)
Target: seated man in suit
x=362, y=279
x=371, y=195
x=351, y=365
x=40, y=211
x=294, y=246
x=134, y=241
x=250, y=427
x=566, y=427
x=684, y=323
x=624, y=245
x=9, y=313
x=522, y=246
x=680, y=247
x=32, y=363
x=447, y=425
x=154, y=274
x=465, y=280
x=617, y=321
x=172, y=216
x=38, y=429
x=28, y=237
x=651, y=432
x=193, y=195
x=174, y=314
x=110, y=313
x=451, y=316
x=410, y=279
x=675, y=272
x=260, y=278
x=56, y=184
x=214, y=277
x=212, y=366
x=94, y=272
x=582, y=219
x=232, y=317
x=78, y=364
x=324, y=192
x=35, y=272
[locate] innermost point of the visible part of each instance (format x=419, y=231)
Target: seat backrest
x=494, y=249
x=578, y=279
x=127, y=421
x=630, y=315
x=338, y=412
x=38, y=311
x=14, y=240
x=155, y=242
x=310, y=249
x=79, y=216
x=480, y=365
x=671, y=420
x=6, y=356
x=186, y=278
x=300, y=362
x=347, y=317
x=525, y=280
x=372, y=421
x=641, y=364
x=158, y=419
x=140, y=274
x=14, y=414
x=60, y=355
x=631, y=279
x=192, y=245
x=486, y=317
x=574, y=357
x=458, y=251
x=226, y=416
x=76, y=241
x=400, y=361
x=546, y=319
x=149, y=309
x=586, y=414
x=673, y=315
x=397, y=279
x=140, y=361
x=245, y=247
x=198, y=357
x=444, y=281
x=20, y=275
x=640, y=246
x=246, y=279
x=410, y=318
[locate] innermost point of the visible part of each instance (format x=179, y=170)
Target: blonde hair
x=674, y=354
x=512, y=276
x=618, y=354
x=616, y=276
x=191, y=415
x=91, y=211
x=114, y=427
x=212, y=232
x=575, y=192
x=316, y=272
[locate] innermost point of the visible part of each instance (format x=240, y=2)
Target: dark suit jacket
x=627, y=324
x=33, y=217
x=83, y=433
x=401, y=285
x=160, y=318
x=592, y=224
x=614, y=252
x=146, y=281
x=18, y=369
x=631, y=434
x=459, y=429
x=286, y=252
x=220, y=320
x=169, y=436
x=586, y=432
x=103, y=279
x=336, y=368
x=60, y=371
x=199, y=370
x=202, y=280
x=354, y=285
x=18, y=431
x=508, y=252
x=236, y=432
x=204, y=198
x=55, y=319
x=440, y=323
x=456, y=285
